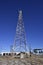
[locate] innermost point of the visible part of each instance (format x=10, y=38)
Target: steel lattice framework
x=20, y=37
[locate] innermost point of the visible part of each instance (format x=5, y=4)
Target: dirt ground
x=10, y=60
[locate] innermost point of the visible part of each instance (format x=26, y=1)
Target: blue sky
x=33, y=22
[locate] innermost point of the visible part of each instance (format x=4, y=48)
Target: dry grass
x=34, y=60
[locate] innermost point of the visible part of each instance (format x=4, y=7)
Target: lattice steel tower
x=20, y=37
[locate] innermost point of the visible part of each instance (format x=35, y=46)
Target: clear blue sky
x=33, y=21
